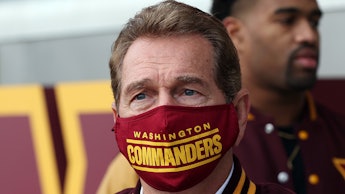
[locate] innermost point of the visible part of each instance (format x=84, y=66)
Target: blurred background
x=49, y=41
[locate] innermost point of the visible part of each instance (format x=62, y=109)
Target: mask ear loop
x=115, y=113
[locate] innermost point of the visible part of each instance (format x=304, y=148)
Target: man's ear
x=242, y=105
x=234, y=28
x=115, y=113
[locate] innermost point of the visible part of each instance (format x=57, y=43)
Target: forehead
x=151, y=55
x=270, y=6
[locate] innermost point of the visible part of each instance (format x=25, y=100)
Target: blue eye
x=189, y=92
x=140, y=96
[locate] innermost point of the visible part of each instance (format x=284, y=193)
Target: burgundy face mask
x=173, y=148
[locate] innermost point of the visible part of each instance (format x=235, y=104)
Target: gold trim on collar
x=241, y=182
x=311, y=106
x=251, y=117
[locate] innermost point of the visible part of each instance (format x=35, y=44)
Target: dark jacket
x=320, y=136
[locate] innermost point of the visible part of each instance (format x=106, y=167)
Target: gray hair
x=171, y=18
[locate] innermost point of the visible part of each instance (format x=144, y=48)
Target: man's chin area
x=300, y=85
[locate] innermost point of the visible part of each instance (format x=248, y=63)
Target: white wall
x=54, y=41
x=332, y=30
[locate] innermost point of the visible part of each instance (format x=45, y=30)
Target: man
x=290, y=139
x=179, y=105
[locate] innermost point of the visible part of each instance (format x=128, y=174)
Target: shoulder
x=127, y=191
x=329, y=115
x=272, y=188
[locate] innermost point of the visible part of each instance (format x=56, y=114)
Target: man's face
x=168, y=71
x=281, y=44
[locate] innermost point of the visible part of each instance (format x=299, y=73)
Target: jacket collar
x=239, y=182
x=310, y=103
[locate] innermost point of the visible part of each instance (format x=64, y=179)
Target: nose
x=165, y=98
x=306, y=33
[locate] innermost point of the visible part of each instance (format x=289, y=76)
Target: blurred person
x=290, y=139
x=179, y=106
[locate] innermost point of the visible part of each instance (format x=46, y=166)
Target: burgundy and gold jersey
x=319, y=150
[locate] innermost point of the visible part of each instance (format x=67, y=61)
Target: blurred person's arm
x=120, y=175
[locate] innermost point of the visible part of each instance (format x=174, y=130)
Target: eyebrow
x=292, y=10
x=190, y=79
x=137, y=85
